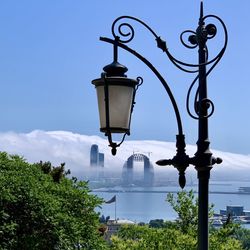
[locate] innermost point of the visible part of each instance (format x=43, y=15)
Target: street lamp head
x=115, y=94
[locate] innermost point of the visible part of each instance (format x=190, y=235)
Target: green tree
x=243, y=235
x=186, y=206
x=38, y=212
x=157, y=223
x=143, y=238
x=57, y=173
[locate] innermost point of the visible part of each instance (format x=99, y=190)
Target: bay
x=144, y=204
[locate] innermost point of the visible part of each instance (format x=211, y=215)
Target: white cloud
x=74, y=149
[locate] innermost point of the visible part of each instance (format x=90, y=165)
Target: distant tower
x=94, y=155
x=101, y=159
x=96, y=158
x=148, y=172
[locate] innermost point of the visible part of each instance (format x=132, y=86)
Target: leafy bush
x=39, y=210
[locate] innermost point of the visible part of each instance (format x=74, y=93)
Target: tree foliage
x=144, y=238
x=157, y=223
x=224, y=238
x=186, y=206
x=243, y=235
x=57, y=173
x=41, y=211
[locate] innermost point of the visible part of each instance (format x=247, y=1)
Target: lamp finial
x=201, y=9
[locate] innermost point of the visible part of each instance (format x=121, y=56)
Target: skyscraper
x=96, y=158
x=94, y=155
x=101, y=159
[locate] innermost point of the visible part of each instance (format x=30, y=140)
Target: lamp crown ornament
x=115, y=69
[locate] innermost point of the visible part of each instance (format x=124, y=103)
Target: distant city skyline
x=74, y=150
x=50, y=51
x=132, y=173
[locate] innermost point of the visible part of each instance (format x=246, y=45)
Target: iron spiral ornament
x=210, y=32
x=123, y=32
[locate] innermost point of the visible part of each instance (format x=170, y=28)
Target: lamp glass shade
x=120, y=100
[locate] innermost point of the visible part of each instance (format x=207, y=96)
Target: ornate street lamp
x=116, y=95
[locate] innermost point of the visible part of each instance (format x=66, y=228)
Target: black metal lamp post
x=116, y=94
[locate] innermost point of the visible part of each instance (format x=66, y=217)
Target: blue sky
x=50, y=51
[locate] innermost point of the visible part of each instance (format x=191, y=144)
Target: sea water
x=144, y=204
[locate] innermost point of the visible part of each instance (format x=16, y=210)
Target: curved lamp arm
x=158, y=75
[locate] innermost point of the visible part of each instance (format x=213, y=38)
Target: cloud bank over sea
x=74, y=150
